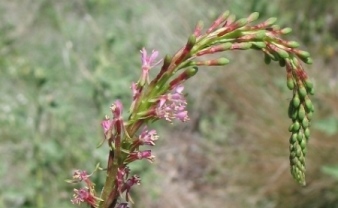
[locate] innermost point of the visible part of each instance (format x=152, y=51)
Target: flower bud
x=292, y=112
x=241, y=22
x=301, y=112
x=308, y=84
x=294, y=138
x=191, y=41
x=290, y=83
x=296, y=126
x=258, y=45
x=300, y=136
x=296, y=101
x=282, y=62
x=302, y=91
x=253, y=16
x=215, y=62
x=303, y=144
x=305, y=123
x=312, y=91
x=270, y=21
x=302, y=54
x=292, y=44
x=286, y=30
x=267, y=59
x=307, y=133
x=308, y=61
x=241, y=46
x=282, y=53
x=198, y=29
x=308, y=105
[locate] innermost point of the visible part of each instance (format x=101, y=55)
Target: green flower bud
x=304, y=150
x=267, y=59
x=191, y=71
x=296, y=126
x=290, y=83
x=253, y=16
x=292, y=140
x=300, y=136
x=308, y=84
x=286, y=30
x=282, y=53
x=307, y=133
x=308, y=105
x=260, y=35
x=305, y=123
x=292, y=112
x=270, y=21
x=241, y=22
x=258, y=45
x=302, y=91
x=298, y=151
x=303, y=144
x=222, y=61
x=309, y=115
x=294, y=160
x=296, y=101
x=308, y=60
x=301, y=112
x=243, y=46
x=303, y=54
x=312, y=91
x=292, y=44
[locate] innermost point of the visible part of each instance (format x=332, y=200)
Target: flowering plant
x=162, y=98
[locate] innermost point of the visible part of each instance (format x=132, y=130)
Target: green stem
x=107, y=195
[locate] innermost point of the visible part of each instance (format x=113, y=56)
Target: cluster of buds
x=163, y=98
x=300, y=112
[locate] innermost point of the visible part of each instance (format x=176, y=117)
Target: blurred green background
x=62, y=63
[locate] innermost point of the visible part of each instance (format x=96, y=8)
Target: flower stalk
x=163, y=98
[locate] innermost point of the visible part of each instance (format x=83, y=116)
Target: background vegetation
x=62, y=63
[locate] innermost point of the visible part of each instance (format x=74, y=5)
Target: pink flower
x=148, y=62
x=147, y=137
x=135, y=180
x=121, y=176
x=106, y=125
x=80, y=175
x=172, y=106
x=84, y=195
x=139, y=155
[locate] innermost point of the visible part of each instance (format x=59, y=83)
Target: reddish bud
x=215, y=62
x=198, y=29
x=215, y=49
x=241, y=46
x=218, y=21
